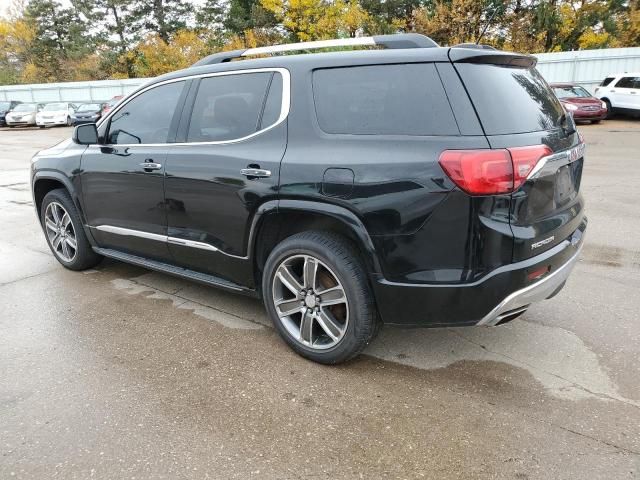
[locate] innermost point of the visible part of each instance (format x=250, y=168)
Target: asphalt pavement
x=119, y=372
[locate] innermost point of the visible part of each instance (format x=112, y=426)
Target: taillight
x=491, y=172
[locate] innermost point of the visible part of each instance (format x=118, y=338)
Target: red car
x=111, y=103
x=580, y=103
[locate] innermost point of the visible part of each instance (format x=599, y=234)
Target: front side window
x=230, y=107
x=147, y=118
x=406, y=99
x=606, y=81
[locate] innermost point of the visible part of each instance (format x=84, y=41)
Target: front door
x=225, y=165
x=123, y=177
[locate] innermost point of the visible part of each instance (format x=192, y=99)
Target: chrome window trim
x=165, y=239
x=284, y=108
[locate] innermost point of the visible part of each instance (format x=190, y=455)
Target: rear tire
x=64, y=232
x=595, y=121
x=609, y=109
x=327, y=314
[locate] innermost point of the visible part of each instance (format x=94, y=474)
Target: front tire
x=64, y=233
x=316, y=292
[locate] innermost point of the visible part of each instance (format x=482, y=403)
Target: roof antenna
x=493, y=14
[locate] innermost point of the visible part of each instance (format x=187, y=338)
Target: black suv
x=413, y=185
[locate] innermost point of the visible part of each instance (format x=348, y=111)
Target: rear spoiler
x=459, y=54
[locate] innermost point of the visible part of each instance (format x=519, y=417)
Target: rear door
x=225, y=164
x=626, y=92
x=518, y=109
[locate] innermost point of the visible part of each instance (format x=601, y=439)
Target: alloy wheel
x=310, y=302
x=60, y=232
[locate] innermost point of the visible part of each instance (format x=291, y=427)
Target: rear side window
x=382, y=100
x=628, y=82
x=606, y=81
x=510, y=100
x=228, y=107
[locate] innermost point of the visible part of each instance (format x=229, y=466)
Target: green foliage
x=52, y=40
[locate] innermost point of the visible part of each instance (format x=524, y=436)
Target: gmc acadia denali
x=410, y=185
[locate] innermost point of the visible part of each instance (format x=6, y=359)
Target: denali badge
x=542, y=242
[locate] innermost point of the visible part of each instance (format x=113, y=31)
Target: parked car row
x=619, y=93
x=18, y=114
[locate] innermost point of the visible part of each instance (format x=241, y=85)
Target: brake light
x=491, y=172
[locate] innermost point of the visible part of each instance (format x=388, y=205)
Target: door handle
x=632, y=93
x=255, y=172
x=150, y=165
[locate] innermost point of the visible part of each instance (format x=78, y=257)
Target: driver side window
x=146, y=118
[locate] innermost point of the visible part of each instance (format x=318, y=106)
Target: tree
x=61, y=38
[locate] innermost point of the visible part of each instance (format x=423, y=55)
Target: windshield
x=4, y=106
x=571, y=92
x=52, y=107
x=89, y=107
x=25, y=107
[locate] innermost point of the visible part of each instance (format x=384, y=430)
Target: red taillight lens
x=491, y=172
x=479, y=172
x=524, y=160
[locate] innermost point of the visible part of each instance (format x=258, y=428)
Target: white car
x=621, y=93
x=55, y=114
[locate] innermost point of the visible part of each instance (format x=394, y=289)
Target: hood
x=87, y=112
x=53, y=112
x=582, y=100
x=55, y=150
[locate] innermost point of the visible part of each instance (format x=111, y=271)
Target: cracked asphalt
x=120, y=372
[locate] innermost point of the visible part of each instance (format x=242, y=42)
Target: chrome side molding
x=164, y=238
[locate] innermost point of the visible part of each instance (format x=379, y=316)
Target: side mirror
x=86, y=134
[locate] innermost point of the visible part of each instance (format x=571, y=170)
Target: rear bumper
x=495, y=297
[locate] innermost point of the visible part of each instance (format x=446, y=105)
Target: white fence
x=585, y=67
x=99, y=90
x=588, y=67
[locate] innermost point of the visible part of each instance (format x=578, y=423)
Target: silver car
x=23, y=115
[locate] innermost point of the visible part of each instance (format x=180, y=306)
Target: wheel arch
x=44, y=182
x=295, y=216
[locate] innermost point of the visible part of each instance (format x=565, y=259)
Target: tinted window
x=606, y=81
x=384, y=100
x=628, y=82
x=228, y=107
x=273, y=104
x=146, y=118
x=510, y=100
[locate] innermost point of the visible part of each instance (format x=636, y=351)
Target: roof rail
x=401, y=40
x=478, y=46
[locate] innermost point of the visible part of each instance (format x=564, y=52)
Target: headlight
x=604, y=105
x=570, y=106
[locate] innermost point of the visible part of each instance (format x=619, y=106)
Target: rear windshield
x=406, y=99
x=511, y=100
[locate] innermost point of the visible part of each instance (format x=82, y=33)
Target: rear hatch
x=518, y=109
